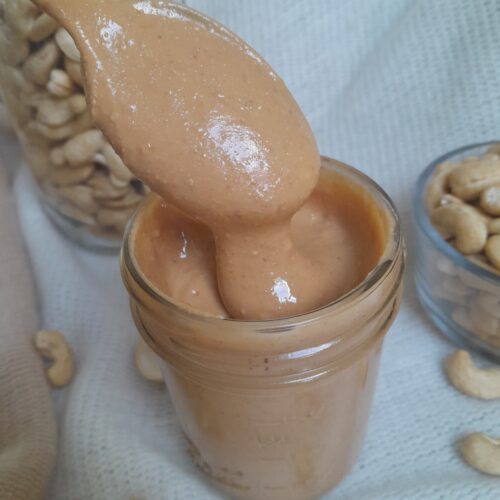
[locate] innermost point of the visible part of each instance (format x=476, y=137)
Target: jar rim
x=423, y=221
x=393, y=248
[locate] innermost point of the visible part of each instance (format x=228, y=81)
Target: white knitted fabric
x=388, y=85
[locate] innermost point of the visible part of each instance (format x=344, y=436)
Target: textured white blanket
x=388, y=85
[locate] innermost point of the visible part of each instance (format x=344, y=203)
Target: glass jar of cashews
x=456, y=205
x=84, y=186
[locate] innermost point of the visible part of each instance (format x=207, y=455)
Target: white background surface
x=387, y=85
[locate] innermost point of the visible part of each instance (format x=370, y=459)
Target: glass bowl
x=459, y=294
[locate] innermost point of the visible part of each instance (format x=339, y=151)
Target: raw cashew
x=446, y=266
x=437, y=185
x=67, y=176
x=490, y=303
x=492, y=250
x=60, y=84
x=38, y=158
x=115, y=164
x=75, y=213
x=462, y=223
x=55, y=112
x=482, y=453
x=42, y=28
x=490, y=200
x=494, y=226
x=472, y=381
x=57, y=157
x=80, y=123
x=469, y=179
x=52, y=345
x=147, y=362
x=131, y=199
x=117, y=218
x=38, y=65
x=81, y=197
x=20, y=15
x=67, y=44
x=74, y=70
x=82, y=147
x=13, y=48
x=483, y=323
x=103, y=189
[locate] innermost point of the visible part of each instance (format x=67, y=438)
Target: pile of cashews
x=79, y=173
x=463, y=203
x=479, y=450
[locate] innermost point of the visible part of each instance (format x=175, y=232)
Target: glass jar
x=460, y=295
x=84, y=186
x=274, y=409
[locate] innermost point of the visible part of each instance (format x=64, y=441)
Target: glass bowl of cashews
x=84, y=185
x=456, y=206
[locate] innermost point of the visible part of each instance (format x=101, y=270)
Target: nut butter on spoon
x=200, y=118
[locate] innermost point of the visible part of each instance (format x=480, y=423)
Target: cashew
x=472, y=280
x=494, y=149
x=67, y=44
x=67, y=176
x=75, y=213
x=74, y=70
x=462, y=223
x=147, y=362
x=13, y=48
x=117, y=181
x=492, y=250
x=115, y=164
x=490, y=200
x=80, y=123
x=470, y=380
x=60, y=84
x=482, y=453
x=103, y=189
x=494, y=226
x=57, y=157
x=38, y=159
x=484, y=324
x=56, y=112
x=81, y=148
x=109, y=217
x=490, y=303
x=446, y=266
x=42, y=28
x=436, y=188
x=81, y=197
x=131, y=199
x=470, y=178
x=15, y=81
x=52, y=345
x=38, y=65
x=20, y=15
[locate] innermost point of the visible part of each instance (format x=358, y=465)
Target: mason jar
x=84, y=186
x=274, y=409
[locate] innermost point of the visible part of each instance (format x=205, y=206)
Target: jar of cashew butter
x=84, y=186
x=273, y=409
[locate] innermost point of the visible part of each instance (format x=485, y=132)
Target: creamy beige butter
x=339, y=227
